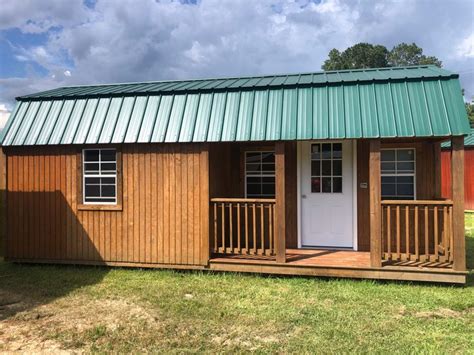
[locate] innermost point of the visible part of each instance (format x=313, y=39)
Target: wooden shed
x=325, y=174
x=468, y=171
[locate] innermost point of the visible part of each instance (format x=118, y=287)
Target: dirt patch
x=443, y=313
x=48, y=326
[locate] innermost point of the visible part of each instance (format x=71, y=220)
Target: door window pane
x=326, y=184
x=337, y=167
x=326, y=167
x=337, y=184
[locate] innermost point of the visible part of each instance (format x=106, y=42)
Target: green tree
x=366, y=55
x=361, y=55
x=470, y=112
x=405, y=54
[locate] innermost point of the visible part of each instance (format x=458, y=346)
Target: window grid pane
x=100, y=176
x=260, y=174
x=326, y=167
x=398, y=168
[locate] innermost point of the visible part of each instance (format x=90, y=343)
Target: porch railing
x=243, y=226
x=417, y=231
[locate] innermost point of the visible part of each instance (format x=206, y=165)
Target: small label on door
x=363, y=185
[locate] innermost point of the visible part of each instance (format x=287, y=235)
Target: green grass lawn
x=122, y=310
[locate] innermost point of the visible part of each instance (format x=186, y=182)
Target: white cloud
x=466, y=48
x=151, y=40
x=4, y=114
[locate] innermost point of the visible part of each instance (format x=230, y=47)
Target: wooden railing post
x=280, y=205
x=457, y=185
x=375, y=204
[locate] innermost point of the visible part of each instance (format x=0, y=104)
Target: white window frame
x=99, y=175
x=400, y=174
x=246, y=175
x=332, y=176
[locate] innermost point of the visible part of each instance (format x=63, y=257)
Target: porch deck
x=337, y=263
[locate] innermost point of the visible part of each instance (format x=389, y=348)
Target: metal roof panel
x=110, y=120
x=74, y=120
x=275, y=104
x=98, y=121
x=189, y=118
x=202, y=118
x=14, y=121
x=289, y=112
x=353, y=118
x=162, y=119
x=368, y=111
x=86, y=120
x=244, y=122
x=336, y=112
x=216, y=121
x=149, y=119
x=320, y=113
x=402, y=111
x=304, y=127
x=231, y=116
x=136, y=119
x=419, y=110
x=61, y=122
x=123, y=119
x=26, y=123
x=176, y=118
x=385, y=111
x=50, y=123
x=259, y=116
x=370, y=103
x=38, y=123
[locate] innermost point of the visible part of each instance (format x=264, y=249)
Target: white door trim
x=354, y=192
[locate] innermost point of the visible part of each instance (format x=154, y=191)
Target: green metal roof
x=468, y=140
x=371, y=103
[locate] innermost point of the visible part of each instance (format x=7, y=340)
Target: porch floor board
x=337, y=263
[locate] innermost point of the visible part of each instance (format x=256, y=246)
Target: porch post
x=375, y=204
x=280, y=205
x=457, y=186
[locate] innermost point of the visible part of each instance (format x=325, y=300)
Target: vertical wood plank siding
x=164, y=216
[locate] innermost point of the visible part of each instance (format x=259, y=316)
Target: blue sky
x=51, y=43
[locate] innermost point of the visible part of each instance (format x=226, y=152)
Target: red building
x=468, y=171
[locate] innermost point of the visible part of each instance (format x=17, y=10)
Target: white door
x=326, y=194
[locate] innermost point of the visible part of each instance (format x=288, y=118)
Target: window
x=260, y=174
x=99, y=176
x=326, y=167
x=398, y=174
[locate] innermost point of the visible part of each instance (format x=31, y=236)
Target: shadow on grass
x=34, y=235
x=26, y=286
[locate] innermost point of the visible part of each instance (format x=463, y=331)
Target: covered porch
x=410, y=239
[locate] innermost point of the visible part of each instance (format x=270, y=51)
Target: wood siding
x=427, y=187
x=164, y=217
x=468, y=176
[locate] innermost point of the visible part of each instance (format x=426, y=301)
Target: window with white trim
x=326, y=168
x=398, y=174
x=260, y=174
x=99, y=167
